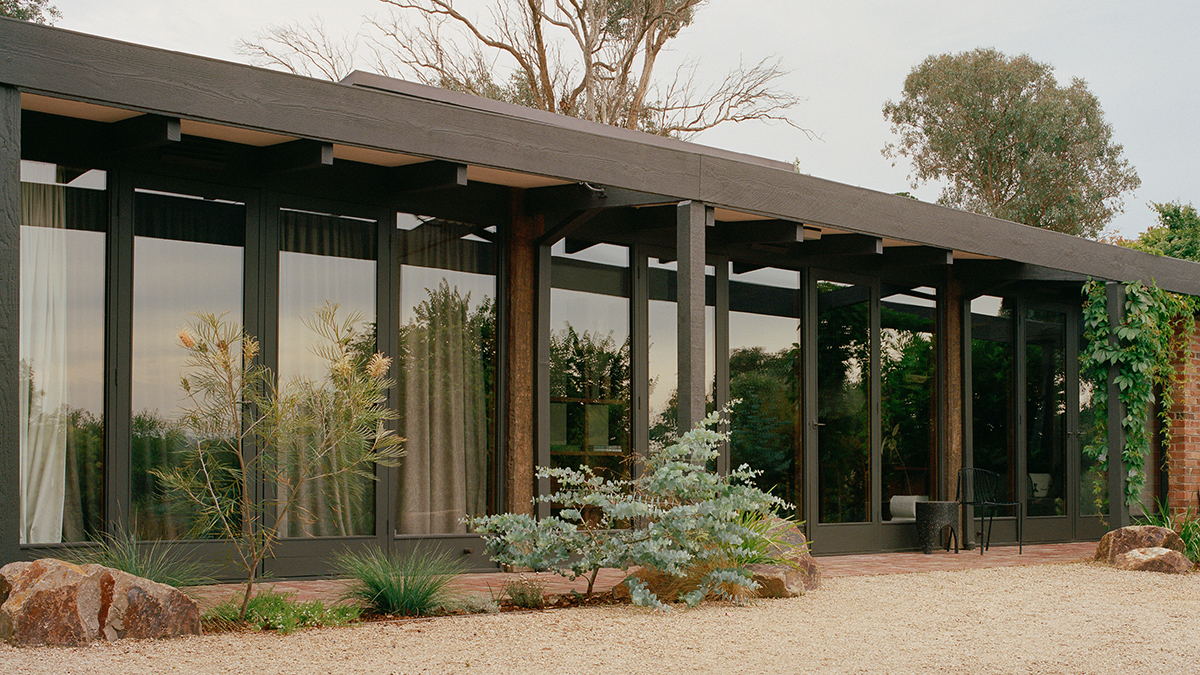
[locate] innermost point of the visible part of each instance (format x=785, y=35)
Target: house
x=554, y=291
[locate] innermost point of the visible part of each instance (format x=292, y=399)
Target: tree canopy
x=593, y=59
x=1177, y=234
x=1010, y=142
x=37, y=11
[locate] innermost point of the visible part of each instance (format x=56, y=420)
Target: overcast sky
x=847, y=58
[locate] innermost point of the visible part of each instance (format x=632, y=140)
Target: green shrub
x=473, y=604
x=678, y=520
x=150, y=560
x=526, y=593
x=1186, y=524
x=416, y=584
x=272, y=610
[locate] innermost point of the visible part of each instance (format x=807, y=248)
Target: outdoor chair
x=982, y=489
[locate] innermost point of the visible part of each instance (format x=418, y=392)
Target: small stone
x=1125, y=539
x=1154, y=559
x=51, y=602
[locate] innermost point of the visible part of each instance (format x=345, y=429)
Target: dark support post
x=952, y=362
x=691, y=220
x=520, y=367
x=1118, y=510
x=10, y=332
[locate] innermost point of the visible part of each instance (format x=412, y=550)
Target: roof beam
x=759, y=232
x=144, y=132
x=427, y=176
x=300, y=155
x=839, y=245
x=585, y=196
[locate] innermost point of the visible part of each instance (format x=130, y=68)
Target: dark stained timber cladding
x=10, y=260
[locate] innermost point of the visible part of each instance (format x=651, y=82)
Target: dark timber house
x=554, y=292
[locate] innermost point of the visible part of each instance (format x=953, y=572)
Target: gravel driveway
x=1076, y=618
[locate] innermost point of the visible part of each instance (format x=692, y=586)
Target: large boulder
x=1154, y=559
x=51, y=602
x=797, y=573
x=1126, y=539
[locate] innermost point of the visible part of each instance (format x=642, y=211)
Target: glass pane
x=1046, y=407
x=326, y=259
x=446, y=370
x=992, y=389
x=188, y=256
x=664, y=349
x=908, y=390
x=764, y=372
x=1093, y=477
x=843, y=402
x=589, y=359
x=61, y=412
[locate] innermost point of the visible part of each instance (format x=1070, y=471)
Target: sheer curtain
x=446, y=379
x=42, y=426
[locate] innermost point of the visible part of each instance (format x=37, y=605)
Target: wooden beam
x=568, y=225
x=692, y=219
x=10, y=332
x=143, y=132
x=839, y=244
x=300, y=155
x=759, y=232
x=578, y=245
x=426, y=176
x=557, y=199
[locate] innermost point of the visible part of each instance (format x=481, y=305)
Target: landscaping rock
x=798, y=575
x=1154, y=559
x=51, y=602
x=1126, y=539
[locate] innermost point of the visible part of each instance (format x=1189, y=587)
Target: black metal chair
x=982, y=488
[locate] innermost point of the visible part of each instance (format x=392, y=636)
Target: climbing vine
x=1157, y=327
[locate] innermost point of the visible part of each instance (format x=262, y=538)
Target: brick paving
x=492, y=583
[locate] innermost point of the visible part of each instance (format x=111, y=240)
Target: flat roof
x=369, y=116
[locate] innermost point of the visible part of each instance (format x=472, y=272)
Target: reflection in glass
x=589, y=359
x=61, y=366
x=992, y=395
x=908, y=379
x=1093, y=475
x=325, y=259
x=1046, y=407
x=664, y=349
x=843, y=403
x=188, y=258
x=764, y=372
x=446, y=371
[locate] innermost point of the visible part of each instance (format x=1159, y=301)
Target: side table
x=932, y=518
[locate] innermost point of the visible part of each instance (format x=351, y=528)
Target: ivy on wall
x=1156, y=327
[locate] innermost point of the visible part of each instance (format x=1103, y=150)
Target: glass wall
x=664, y=348
x=590, y=358
x=1046, y=407
x=843, y=402
x=64, y=216
x=188, y=257
x=326, y=259
x=908, y=398
x=446, y=370
x=1093, y=475
x=992, y=390
x=765, y=373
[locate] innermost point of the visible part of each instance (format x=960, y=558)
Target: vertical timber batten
x=10, y=330
x=520, y=365
x=1118, y=510
x=691, y=219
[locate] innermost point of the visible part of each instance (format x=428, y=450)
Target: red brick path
x=492, y=583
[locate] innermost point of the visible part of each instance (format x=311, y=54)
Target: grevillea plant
x=1145, y=348
x=678, y=518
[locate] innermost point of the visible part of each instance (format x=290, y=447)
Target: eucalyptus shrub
x=1155, y=330
x=678, y=518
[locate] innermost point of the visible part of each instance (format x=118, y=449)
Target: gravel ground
x=1076, y=618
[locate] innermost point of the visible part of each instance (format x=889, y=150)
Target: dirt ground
x=1074, y=618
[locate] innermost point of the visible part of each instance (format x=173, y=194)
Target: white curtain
x=42, y=426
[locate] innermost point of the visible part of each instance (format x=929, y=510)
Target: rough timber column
x=691, y=219
x=952, y=404
x=520, y=362
x=10, y=261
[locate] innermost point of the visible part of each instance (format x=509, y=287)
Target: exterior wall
x=1184, y=443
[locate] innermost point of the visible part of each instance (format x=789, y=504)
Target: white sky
x=847, y=58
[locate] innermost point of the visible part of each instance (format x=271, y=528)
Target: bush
x=271, y=610
x=688, y=523
x=473, y=604
x=416, y=584
x=149, y=560
x=526, y=593
x=1185, y=524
